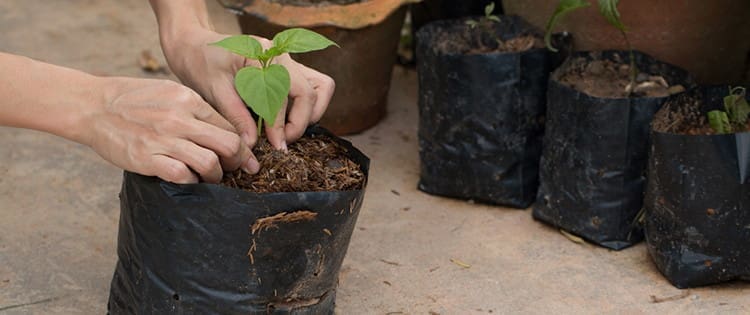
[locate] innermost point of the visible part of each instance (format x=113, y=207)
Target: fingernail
x=283, y=146
x=252, y=166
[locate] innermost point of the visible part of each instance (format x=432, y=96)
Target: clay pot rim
x=350, y=16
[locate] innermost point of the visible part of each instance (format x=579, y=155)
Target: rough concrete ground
x=59, y=209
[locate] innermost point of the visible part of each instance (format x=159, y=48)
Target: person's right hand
x=162, y=128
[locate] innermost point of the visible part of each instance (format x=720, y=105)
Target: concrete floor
x=59, y=209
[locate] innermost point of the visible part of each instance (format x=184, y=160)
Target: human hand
x=210, y=71
x=161, y=128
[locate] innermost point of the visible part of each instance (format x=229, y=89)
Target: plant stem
x=633, y=69
x=260, y=125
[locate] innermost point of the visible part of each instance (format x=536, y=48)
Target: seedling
x=264, y=89
x=734, y=116
x=487, y=20
x=485, y=24
x=608, y=9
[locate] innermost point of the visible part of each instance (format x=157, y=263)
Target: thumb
x=229, y=104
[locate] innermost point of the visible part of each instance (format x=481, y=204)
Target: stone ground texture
x=59, y=208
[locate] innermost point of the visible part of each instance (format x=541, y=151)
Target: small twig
x=572, y=238
x=390, y=262
x=680, y=296
x=460, y=263
x=5, y=308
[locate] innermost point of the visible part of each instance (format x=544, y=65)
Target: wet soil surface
x=612, y=79
x=683, y=115
x=477, y=41
x=313, y=163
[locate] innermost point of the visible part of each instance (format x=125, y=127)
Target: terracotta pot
x=707, y=38
x=368, y=33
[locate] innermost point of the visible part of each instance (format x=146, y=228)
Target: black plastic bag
x=698, y=200
x=592, y=171
x=481, y=116
x=189, y=249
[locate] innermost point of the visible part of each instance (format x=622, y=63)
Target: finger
x=232, y=152
x=170, y=170
x=275, y=133
x=199, y=159
x=233, y=109
x=303, y=99
x=203, y=111
x=324, y=87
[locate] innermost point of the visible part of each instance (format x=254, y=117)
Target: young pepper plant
x=608, y=9
x=264, y=89
x=485, y=23
x=488, y=18
x=734, y=116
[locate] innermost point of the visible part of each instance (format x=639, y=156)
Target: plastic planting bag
x=210, y=249
x=593, y=166
x=481, y=115
x=698, y=199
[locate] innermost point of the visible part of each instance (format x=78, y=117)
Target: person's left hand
x=210, y=71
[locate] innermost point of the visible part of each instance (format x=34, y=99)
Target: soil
x=307, y=3
x=313, y=163
x=468, y=43
x=611, y=79
x=683, y=115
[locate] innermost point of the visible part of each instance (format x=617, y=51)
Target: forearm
x=45, y=97
x=178, y=17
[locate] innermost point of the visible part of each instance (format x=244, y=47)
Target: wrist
x=88, y=107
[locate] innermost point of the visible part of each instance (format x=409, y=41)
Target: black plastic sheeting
x=592, y=171
x=698, y=201
x=481, y=116
x=183, y=249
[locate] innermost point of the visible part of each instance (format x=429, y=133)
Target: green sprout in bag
x=265, y=89
x=734, y=116
x=608, y=9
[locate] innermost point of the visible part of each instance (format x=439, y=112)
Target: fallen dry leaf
x=149, y=64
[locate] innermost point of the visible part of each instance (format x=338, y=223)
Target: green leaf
x=263, y=90
x=563, y=8
x=608, y=9
x=736, y=105
x=494, y=18
x=299, y=40
x=489, y=9
x=270, y=53
x=242, y=45
x=719, y=122
x=472, y=23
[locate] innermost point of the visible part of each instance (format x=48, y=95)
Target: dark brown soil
x=477, y=41
x=610, y=79
x=683, y=116
x=305, y=3
x=517, y=44
x=315, y=163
